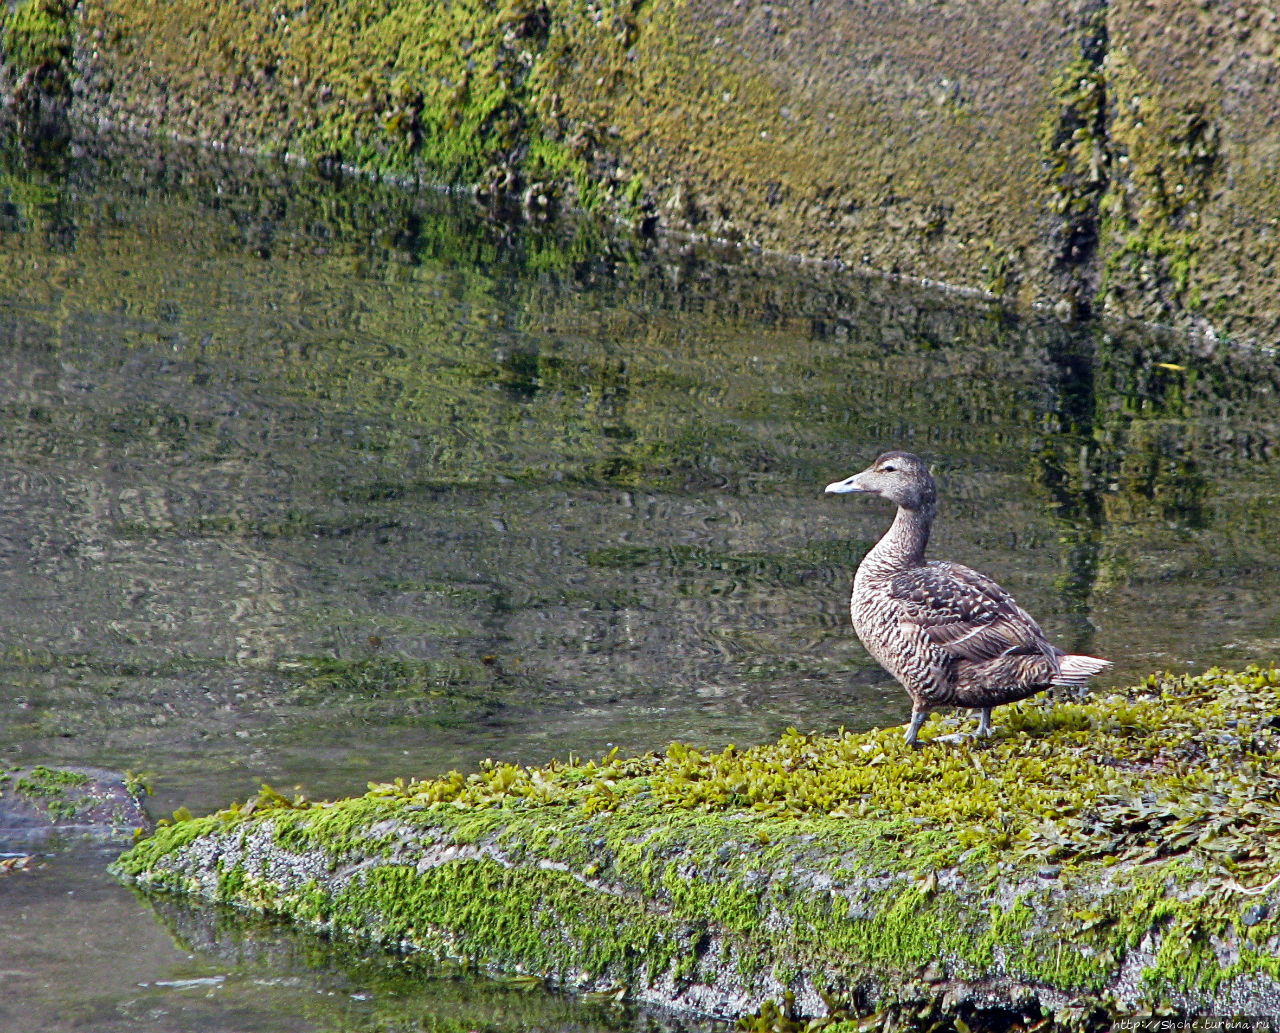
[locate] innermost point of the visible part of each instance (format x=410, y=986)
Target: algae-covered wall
x=1113, y=157
x=1189, y=221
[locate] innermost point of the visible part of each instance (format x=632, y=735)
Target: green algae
x=447, y=93
x=91, y=802
x=335, y=680
x=626, y=106
x=53, y=789
x=37, y=35
x=840, y=857
x=1170, y=162
x=37, y=39
x=652, y=112
x=45, y=781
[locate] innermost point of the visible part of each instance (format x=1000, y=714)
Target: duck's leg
x=984, y=722
x=918, y=714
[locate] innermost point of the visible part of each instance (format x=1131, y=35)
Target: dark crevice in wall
x=1077, y=156
x=37, y=70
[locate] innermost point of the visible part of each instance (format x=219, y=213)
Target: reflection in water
x=320, y=482
x=146, y=964
x=385, y=992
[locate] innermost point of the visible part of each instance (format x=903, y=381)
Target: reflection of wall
x=1154, y=484
x=284, y=416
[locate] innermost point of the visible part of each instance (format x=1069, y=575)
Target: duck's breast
x=900, y=646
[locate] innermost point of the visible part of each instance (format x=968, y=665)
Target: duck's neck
x=903, y=545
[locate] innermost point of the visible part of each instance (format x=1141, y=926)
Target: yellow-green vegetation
x=89, y=801
x=36, y=33
x=1153, y=219
x=655, y=110
x=1187, y=160
x=1113, y=152
x=449, y=691
x=36, y=43
x=1143, y=825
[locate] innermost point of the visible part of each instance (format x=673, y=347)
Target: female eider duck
x=950, y=635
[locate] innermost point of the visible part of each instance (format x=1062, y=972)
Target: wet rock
x=933, y=972
x=722, y=910
x=40, y=801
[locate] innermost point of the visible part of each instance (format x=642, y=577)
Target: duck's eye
x=888, y=468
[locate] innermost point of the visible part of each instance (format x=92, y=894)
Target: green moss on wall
x=1033, y=151
x=448, y=93
x=668, y=112
x=1168, y=160
x=36, y=67
x=37, y=34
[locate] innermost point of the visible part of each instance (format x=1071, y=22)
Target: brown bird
x=949, y=634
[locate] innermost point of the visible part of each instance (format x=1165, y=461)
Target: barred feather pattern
x=949, y=634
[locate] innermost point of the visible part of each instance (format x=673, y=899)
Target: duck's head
x=900, y=477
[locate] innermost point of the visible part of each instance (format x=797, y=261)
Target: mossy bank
x=1113, y=157
x=1095, y=858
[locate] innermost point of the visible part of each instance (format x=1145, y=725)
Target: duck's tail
x=1074, y=670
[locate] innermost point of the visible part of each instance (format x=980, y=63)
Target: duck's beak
x=849, y=484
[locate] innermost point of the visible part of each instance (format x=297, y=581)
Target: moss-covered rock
x=1118, y=854
x=41, y=801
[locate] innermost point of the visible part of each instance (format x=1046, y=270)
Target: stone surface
x=1116, y=157
x=38, y=802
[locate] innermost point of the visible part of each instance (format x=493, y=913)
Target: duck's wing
x=966, y=614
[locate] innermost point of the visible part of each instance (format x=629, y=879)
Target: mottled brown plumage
x=949, y=634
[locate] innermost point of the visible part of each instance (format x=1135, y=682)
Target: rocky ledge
x=1102, y=857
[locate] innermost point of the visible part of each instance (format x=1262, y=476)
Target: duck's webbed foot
x=917, y=719
x=983, y=732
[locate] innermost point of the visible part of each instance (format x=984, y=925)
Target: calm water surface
x=314, y=483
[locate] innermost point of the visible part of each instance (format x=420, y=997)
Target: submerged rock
x=846, y=875
x=40, y=801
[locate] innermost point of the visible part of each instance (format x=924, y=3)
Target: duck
x=949, y=634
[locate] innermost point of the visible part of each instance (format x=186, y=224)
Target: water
x=314, y=483
x=116, y=965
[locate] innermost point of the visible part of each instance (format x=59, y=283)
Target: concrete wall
x=1110, y=157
